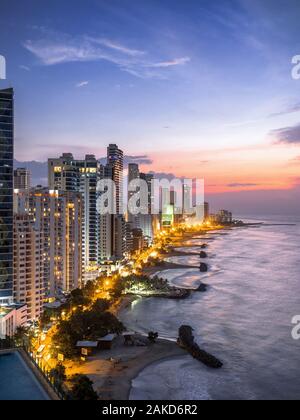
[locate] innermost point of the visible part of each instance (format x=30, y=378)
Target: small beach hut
x=106, y=343
x=87, y=347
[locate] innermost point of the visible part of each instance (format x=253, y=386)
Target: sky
x=191, y=88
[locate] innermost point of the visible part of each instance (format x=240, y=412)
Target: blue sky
x=207, y=79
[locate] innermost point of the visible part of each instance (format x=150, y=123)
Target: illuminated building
x=69, y=174
x=58, y=216
x=112, y=232
x=6, y=194
x=29, y=282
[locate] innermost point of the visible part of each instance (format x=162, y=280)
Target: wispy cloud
x=116, y=46
x=287, y=135
x=289, y=110
x=82, y=84
x=140, y=160
x=295, y=161
x=241, y=185
x=26, y=68
x=54, y=50
x=171, y=63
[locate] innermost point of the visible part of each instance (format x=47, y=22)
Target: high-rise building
x=29, y=250
x=63, y=173
x=112, y=230
x=187, y=200
x=58, y=216
x=146, y=221
x=115, y=159
x=149, y=178
x=6, y=194
x=69, y=174
x=133, y=174
x=22, y=179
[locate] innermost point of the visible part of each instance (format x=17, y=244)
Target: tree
x=100, y=305
x=84, y=325
x=45, y=318
x=89, y=289
x=59, y=373
x=78, y=298
x=118, y=288
x=82, y=389
x=20, y=336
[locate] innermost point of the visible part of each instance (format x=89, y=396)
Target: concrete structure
x=57, y=215
x=11, y=317
x=137, y=240
x=68, y=174
x=22, y=179
x=29, y=281
x=112, y=232
x=6, y=194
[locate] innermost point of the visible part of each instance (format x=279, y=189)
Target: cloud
x=288, y=110
x=166, y=175
x=82, y=84
x=295, y=161
x=140, y=160
x=26, y=68
x=241, y=185
x=287, y=135
x=116, y=46
x=57, y=49
x=171, y=63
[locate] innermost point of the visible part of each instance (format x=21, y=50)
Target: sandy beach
x=112, y=371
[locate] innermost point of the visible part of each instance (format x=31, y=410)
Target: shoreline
x=167, y=349
x=118, y=384
x=113, y=371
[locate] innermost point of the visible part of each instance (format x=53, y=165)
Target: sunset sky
x=192, y=88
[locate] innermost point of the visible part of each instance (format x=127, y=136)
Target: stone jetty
x=186, y=340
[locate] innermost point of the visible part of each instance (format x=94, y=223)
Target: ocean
x=244, y=318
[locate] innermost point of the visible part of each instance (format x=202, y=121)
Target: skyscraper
x=22, y=179
x=68, y=174
x=133, y=174
x=115, y=159
x=6, y=194
x=57, y=215
x=112, y=226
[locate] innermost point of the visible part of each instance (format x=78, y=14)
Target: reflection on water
x=244, y=319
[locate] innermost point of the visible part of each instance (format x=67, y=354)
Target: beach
x=112, y=371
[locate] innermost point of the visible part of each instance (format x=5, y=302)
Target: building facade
x=6, y=194
x=22, y=179
x=58, y=216
x=29, y=250
x=68, y=174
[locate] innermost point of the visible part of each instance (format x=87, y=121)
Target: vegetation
x=82, y=389
x=59, y=374
x=90, y=324
x=145, y=283
x=21, y=336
